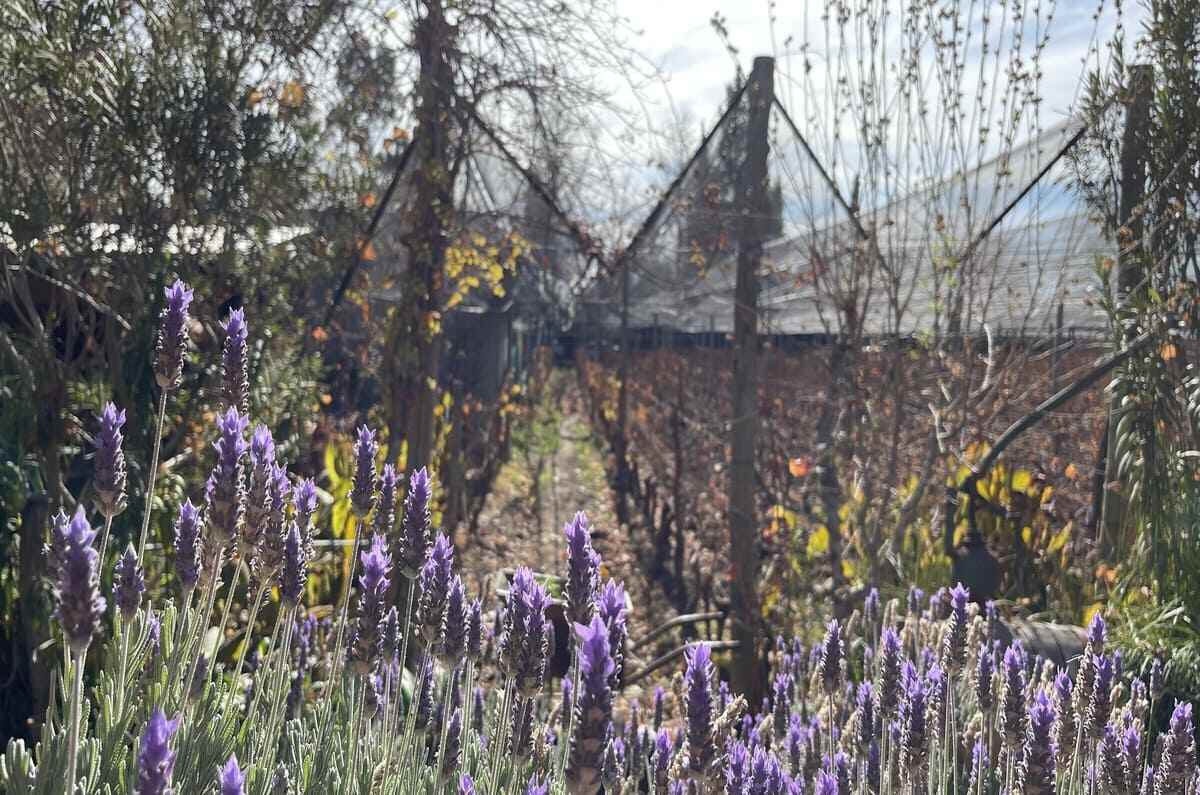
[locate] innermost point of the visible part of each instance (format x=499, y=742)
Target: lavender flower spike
x=583, y=571
x=374, y=583
x=955, y=648
x=832, y=656
x=475, y=630
x=231, y=779
x=385, y=509
x=453, y=642
x=435, y=589
x=294, y=575
x=129, y=583
x=415, y=529
x=172, y=337
x=80, y=605
x=187, y=547
x=225, y=492
x=466, y=785
x=1178, y=753
x=108, y=479
x=698, y=702
x=362, y=494
x=593, y=710
x=1035, y=772
x=156, y=760
x=611, y=608
x=304, y=500
x=235, y=380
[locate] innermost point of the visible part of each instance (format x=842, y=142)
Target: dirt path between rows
x=559, y=471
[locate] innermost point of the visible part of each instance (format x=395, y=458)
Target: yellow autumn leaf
x=818, y=542
x=799, y=467
x=1060, y=539
x=1022, y=479
x=1071, y=472
x=1027, y=535
x=368, y=200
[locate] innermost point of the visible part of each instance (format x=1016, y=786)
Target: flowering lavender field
x=412, y=687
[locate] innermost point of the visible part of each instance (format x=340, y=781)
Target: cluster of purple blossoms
x=235, y=372
x=80, y=608
x=108, y=479
x=172, y=336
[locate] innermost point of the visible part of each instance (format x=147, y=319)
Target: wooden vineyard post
x=748, y=674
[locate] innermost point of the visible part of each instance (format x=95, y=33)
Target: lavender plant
x=891, y=701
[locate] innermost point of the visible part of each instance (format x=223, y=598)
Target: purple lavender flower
x=258, y=498
x=1035, y=771
x=435, y=589
x=1097, y=634
x=452, y=753
x=832, y=654
x=466, y=785
x=153, y=634
x=156, y=760
x=108, y=479
x=187, y=547
x=524, y=644
x=611, y=608
x=1111, y=774
x=235, y=381
x=1131, y=756
x=477, y=711
x=614, y=761
x=172, y=336
x=865, y=725
x=294, y=575
x=475, y=630
x=980, y=765
x=453, y=643
x=281, y=782
x=737, y=767
x=662, y=761
x=230, y=778
x=80, y=605
x=129, y=583
x=304, y=499
x=385, y=509
x=1012, y=715
x=1100, y=707
x=269, y=553
x=1065, y=728
x=537, y=788
x=954, y=651
x=424, y=701
x=825, y=784
x=373, y=588
x=697, y=682
x=889, y=670
x=1157, y=686
x=415, y=535
x=781, y=700
x=985, y=669
x=225, y=492
x=871, y=609
x=913, y=740
x=1178, y=754
x=659, y=706
x=362, y=494
x=915, y=597
x=583, y=571
x=593, y=709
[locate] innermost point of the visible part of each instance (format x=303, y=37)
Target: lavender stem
x=162, y=412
